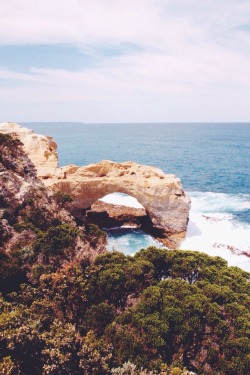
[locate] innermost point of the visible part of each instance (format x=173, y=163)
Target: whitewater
x=213, y=227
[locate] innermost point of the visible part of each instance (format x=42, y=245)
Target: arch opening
x=126, y=222
x=118, y=210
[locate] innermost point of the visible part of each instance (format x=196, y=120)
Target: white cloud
x=192, y=61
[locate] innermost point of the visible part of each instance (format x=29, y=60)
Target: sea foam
x=214, y=227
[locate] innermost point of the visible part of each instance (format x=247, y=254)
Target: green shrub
x=20, y=227
x=56, y=240
x=94, y=234
x=62, y=198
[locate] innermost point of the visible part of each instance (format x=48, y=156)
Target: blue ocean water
x=207, y=157
x=212, y=160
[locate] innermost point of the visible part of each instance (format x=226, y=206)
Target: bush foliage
x=161, y=312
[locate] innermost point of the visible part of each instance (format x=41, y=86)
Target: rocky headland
x=68, y=306
x=162, y=195
x=30, y=213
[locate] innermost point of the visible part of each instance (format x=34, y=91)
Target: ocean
x=212, y=160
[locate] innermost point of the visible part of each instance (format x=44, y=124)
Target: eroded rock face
x=161, y=195
x=107, y=215
x=42, y=150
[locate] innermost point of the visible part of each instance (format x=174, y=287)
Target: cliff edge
x=41, y=149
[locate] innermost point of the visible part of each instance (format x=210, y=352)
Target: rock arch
x=161, y=195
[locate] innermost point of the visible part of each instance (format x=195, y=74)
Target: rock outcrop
x=42, y=150
x=22, y=194
x=28, y=212
x=107, y=215
x=161, y=195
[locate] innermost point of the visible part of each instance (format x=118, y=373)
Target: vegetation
x=62, y=198
x=8, y=140
x=9, y=146
x=171, y=312
x=55, y=240
x=94, y=234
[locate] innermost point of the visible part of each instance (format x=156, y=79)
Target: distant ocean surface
x=212, y=160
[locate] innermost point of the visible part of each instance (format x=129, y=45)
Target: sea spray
x=214, y=227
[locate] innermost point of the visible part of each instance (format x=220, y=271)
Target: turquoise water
x=129, y=240
x=212, y=161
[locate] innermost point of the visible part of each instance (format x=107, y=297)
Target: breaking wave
x=219, y=225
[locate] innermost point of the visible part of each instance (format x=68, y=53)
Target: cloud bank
x=125, y=61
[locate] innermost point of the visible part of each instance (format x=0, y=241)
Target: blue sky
x=125, y=60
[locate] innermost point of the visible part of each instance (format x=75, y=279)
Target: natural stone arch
x=161, y=195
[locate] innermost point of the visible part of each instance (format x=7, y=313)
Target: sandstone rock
x=161, y=195
x=107, y=215
x=116, y=211
x=40, y=149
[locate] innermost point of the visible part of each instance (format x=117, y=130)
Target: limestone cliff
x=161, y=195
x=42, y=150
x=28, y=215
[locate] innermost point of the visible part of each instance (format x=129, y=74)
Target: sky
x=101, y=61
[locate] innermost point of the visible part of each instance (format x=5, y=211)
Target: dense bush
x=94, y=234
x=163, y=311
x=56, y=240
x=62, y=198
x=9, y=146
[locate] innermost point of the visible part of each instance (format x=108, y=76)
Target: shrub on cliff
x=94, y=234
x=62, y=198
x=119, y=310
x=7, y=140
x=56, y=240
x=9, y=148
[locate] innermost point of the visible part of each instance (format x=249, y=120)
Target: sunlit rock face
x=42, y=150
x=161, y=195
